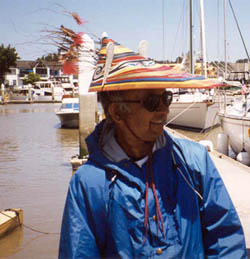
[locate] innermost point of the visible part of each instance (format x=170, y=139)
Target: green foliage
x=8, y=58
x=49, y=57
x=245, y=60
x=178, y=59
x=31, y=78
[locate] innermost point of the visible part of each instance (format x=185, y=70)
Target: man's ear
x=114, y=112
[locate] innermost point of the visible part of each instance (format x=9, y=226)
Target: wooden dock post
x=2, y=93
x=87, y=101
x=53, y=93
x=29, y=94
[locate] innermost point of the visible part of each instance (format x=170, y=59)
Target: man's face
x=145, y=125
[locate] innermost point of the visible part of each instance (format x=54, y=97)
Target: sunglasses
x=153, y=101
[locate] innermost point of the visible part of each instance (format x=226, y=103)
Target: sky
x=164, y=24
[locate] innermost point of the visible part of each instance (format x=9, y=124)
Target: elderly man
x=142, y=192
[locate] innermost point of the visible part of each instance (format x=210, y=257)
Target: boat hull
x=69, y=120
x=48, y=98
x=197, y=116
x=18, y=97
x=237, y=128
x=9, y=220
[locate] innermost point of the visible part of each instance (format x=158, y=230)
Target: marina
x=35, y=170
x=51, y=71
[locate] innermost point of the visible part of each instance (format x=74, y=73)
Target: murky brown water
x=35, y=171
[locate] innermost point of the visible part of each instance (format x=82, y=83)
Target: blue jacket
x=104, y=210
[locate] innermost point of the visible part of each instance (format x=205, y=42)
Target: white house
x=46, y=69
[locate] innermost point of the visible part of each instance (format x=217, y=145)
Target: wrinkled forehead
x=141, y=94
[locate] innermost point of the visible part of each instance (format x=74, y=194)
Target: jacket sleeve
x=222, y=231
x=80, y=226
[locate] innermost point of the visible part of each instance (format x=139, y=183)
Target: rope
x=42, y=232
x=146, y=211
x=30, y=228
x=179, y=114
x=235, y=18
x=157, y=205
x=184, y=177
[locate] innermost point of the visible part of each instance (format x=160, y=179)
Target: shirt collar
x=113, y=151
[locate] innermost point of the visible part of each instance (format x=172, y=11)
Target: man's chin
x=154, y=136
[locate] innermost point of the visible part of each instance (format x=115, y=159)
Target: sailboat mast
x=191, y=35
x=225, y=41
x=163, y=30
x=203, y=41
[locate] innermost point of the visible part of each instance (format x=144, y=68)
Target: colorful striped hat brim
x=131, y=71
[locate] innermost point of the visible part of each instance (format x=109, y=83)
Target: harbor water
x=35, y=171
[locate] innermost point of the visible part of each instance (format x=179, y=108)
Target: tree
x=178, y=59
x=49, y=57
x=31, y=78
x=8, y=58
x=245, y=60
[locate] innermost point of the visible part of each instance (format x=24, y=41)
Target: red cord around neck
x=157, y=205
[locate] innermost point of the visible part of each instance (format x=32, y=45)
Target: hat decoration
x=68, y=42
x=130, y=70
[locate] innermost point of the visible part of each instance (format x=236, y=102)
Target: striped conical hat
x=129, y=71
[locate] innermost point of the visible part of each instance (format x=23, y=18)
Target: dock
x=26, y=102
x=236, y=177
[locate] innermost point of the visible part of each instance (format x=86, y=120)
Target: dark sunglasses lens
x=152, y=102
x=167, y=98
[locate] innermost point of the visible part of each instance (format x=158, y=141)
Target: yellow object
x=9, y=220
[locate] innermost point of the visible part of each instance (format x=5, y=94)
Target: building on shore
x=53, y=69
x=45, y=69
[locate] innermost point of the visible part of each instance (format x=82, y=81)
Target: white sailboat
x=235, y=122
x=195, y=110
x=235, y=118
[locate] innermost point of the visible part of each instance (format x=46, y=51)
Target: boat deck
x=236, y=177
x=10, y=219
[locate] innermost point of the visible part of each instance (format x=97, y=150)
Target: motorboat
x=21, y=94
x=195, y=111
x=68, y=113
x=235, y=122
x=9, y=220
x=48, y=91
x=69, y=87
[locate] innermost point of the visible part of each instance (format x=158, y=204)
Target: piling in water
x=87, y=119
